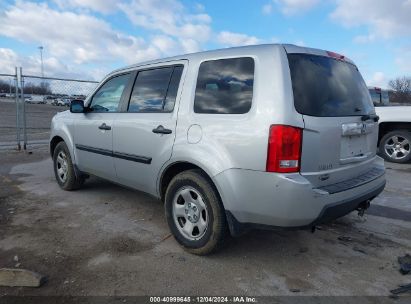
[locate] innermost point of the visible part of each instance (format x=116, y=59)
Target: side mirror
x=77, y=106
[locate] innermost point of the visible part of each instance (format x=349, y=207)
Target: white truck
x=394, y=140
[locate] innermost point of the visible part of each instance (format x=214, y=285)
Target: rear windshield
x=325, y=86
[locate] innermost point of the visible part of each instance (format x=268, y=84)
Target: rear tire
x=64, y=169
x=195, y=213
x=395, y=146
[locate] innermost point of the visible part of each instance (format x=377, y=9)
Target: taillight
x=335, y=55
x=284, y=149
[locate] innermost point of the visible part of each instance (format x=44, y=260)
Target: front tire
x=195, y=213
x=64, y=169
x=395, y=146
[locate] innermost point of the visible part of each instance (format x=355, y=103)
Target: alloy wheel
x=397, y=147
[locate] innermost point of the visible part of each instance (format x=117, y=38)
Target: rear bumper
x=333, y=211
x=265, y=200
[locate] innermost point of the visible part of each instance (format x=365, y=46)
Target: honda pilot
x=266, y=136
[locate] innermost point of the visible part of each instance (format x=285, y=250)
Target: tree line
x=29, y=88
x=400, y=90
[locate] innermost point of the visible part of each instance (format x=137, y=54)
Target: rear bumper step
x=355, y=182
x=334, y=211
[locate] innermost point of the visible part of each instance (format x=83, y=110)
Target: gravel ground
x=108, y=240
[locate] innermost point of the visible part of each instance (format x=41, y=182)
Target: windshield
x=325, y=86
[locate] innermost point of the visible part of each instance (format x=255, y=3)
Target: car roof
x=232, y=51
x=228, y=52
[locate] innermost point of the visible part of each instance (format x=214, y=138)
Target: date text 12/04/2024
x=203, y=299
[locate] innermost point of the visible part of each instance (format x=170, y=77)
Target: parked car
x=66, y=102
x=394, y=142
x=35, y=99
x=269, y=136
x=49, y=99
x=61, y=102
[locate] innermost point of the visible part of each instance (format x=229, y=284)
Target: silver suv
x=261, y=136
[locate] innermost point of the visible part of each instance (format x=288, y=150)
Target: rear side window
x=155, y=90
x=225, y=86
x=325, y=86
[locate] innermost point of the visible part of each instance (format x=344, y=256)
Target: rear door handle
x=103, y=126
x=355, y=159
x=161, y=130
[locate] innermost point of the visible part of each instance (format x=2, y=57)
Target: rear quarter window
x=225, y=86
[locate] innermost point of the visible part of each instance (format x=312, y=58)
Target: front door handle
x=161, y=130
x=103, y=126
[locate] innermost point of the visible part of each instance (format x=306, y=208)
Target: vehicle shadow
x=257, y=245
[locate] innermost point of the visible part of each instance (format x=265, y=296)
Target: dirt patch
x=346, y=235
x=295, y=284
x=107, y=240
x=123, y=245
x=12, y=157
x=4, y=212
x=9, y=190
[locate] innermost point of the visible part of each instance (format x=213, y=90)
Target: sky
x=85, y=39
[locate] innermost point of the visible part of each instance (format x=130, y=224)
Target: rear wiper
x=370, y=116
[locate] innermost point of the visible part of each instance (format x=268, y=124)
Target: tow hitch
x=362, y=207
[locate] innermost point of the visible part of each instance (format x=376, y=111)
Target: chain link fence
x=8, y=110
x=25, y=117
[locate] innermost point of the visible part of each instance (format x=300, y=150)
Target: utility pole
x=41, y=58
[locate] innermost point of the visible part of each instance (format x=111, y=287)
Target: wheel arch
x=61, y=130
x=54, y=142
x=177, y=167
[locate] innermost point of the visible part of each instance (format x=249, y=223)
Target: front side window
x=155, y=90
x=107, y=98
x=225, y=86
